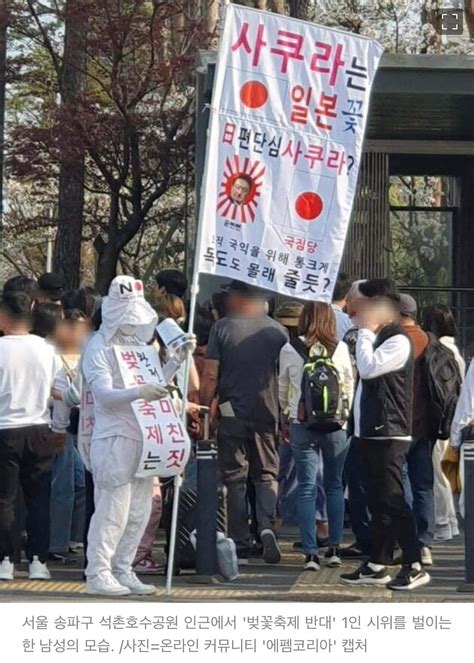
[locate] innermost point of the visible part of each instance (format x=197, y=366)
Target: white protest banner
x=166, y=444
x=288, y=117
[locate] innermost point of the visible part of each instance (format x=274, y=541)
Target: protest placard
x=288, y=116
x=166, y=444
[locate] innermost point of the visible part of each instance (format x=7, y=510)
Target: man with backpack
x=382, y=425
x=436, y=380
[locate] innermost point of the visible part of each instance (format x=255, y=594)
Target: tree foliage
x=133, y=120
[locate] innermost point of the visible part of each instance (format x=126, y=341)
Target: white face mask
x=127, y=330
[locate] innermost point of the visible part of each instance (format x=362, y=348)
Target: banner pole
x=178, y=480
x=192, y=314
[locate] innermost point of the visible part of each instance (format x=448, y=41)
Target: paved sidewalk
x=259, y=582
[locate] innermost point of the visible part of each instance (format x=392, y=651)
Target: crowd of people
x=326, y=416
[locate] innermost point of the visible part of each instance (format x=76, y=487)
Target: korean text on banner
x=288, y=116
x=166, y=444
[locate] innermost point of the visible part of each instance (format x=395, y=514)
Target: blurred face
x=71, y=334
x=374, y=313
x=240, y=190
x=241, y=305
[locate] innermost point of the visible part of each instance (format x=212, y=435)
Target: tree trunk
x=108, y=255
x=3, y=57
x=469, y=9
x=72, y=168
x=301, y=9
x=212, y=22
x=429, y=16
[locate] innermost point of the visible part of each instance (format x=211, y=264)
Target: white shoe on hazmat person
x=38, y=570
x=6, y=569
x=105, y=584
x=135, y=585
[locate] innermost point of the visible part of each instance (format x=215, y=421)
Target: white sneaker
x=6, y=569
x=106, y=585
x=455, y=528
x=38, y=570
x=135, y=585
x=426, y=557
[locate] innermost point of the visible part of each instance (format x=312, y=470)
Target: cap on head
x=244, y=289
x=173, y=282
x=125, y=288
x=408, y=306
x=51, y=283
x=288, y=314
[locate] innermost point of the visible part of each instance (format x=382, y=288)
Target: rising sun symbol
x=240, y=189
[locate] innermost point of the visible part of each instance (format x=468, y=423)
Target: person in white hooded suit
x=122, y=501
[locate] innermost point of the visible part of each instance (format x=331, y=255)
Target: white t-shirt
x=28, y=367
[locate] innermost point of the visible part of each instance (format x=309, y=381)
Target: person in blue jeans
x=68, y=494
x=68, y=486
x=288, y=315
x=317, y=337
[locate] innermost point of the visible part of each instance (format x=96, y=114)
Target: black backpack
x=322, y=407
x=444, y=381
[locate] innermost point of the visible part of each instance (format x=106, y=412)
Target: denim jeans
x=421, y=475
x=67, y=510
x=306, y=446
x=288, y=489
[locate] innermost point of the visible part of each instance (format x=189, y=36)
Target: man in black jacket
x=383, y=430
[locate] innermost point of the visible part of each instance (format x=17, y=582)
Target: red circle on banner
x=138, y=285
x=309, y=206
x=253, y=94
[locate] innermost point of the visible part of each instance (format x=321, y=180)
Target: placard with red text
x=166, y=444
x=288, y=117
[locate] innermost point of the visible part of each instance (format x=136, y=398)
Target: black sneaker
x=352, y=552
x=271, y=549
x=409, y=578
x=333, y=557
x=312, y=563
x=366, y=576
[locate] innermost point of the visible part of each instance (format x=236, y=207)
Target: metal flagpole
x=178, y=480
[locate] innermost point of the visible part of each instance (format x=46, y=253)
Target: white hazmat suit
x=122, y=502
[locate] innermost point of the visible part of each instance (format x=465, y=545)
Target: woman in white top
x=439, y=320
x=317, y=330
